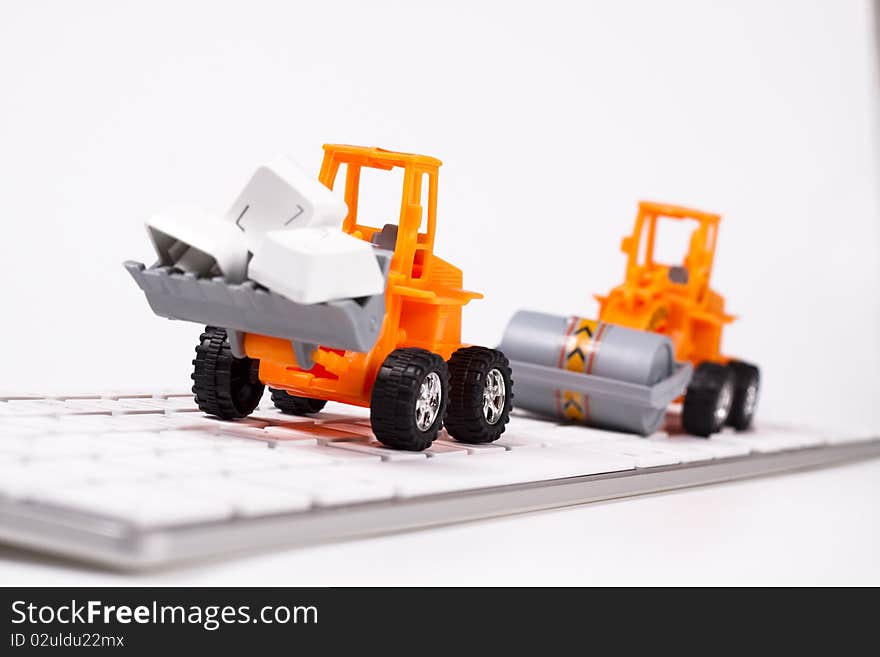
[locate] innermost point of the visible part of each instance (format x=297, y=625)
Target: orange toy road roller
x=675, y=300
x=657, y=340
x=398, y=352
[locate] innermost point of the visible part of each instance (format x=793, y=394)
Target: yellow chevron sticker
x=577, y=356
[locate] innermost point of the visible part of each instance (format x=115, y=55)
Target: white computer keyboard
x=145, y=479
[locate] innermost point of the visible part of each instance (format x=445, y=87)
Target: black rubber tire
x=745, y=375
x=701, y=399
x=465, y=419
x=224, y=386
x=395, y=392
x=295, y=405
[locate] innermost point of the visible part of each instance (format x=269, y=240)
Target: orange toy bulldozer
x=675, y=299
x=417, y=376
x=398, y=352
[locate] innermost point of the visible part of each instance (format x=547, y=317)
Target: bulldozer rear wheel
x=409, y=399
x=224, y=386
x=294, y=405
x=480, y=395
x=747, y=384
x=708, y=399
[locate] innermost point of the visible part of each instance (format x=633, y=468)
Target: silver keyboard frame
x=114, y=543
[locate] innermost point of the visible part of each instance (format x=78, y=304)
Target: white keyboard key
x=187, y=422
x=765, y=443
x=804, y=439
x=17, y=445
x=31, y=407
x=169, y=465
x=60, y=447
x=437, y=475
x=245, y=431
x=126, y=394
x=166, y=441
x=252, y=499
x=43, y=423
x=13, y=431
x=531, y=424
x=641, y=456
x=173, y=394
x=93, y=406
x=327, y=434
x=351, y=492
x=440, y=450
x=271, y=414
x=18, y=478
x=687, y=452
x=483, y=448
x=519, y=439
x=67, y=424
x=139, y=422
x=141, y=504
x=328, y=417
x=282, y=435
x=378, y=449
x=185, y=400
x=352, y=428
x=23, y=479
x=567, y=433
x=241, y=459
x=307, y=456
x=719, y=449
x=9, y=459
x=316, y=454
x=330, y=486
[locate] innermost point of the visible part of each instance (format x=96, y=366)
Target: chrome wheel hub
x=428, y=402
x=751, y=400
x=725, y=399
x=494, y=396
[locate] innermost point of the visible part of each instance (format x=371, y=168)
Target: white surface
x=312, y=265
x=196, y=241
x=282, y=195
x=765, y=112
x=818, y=527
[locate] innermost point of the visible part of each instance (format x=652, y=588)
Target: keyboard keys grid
x=155, y=460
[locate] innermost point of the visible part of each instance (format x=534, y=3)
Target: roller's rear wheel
x=708, y=399
x=295, y=405
x=409, y=399
x=224, y=386
x=747, y=384
x=480, y=395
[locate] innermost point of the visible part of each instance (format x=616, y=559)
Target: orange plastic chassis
x=675, y=300
x=423, y=296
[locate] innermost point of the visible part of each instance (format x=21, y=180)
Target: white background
x=553, y=119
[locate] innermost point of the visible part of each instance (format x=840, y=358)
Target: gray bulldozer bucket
x=351, y=324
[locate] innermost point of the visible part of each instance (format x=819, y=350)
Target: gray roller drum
x=597, y=350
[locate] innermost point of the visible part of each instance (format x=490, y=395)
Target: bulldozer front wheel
x=747, y=384
x=708, y=399
x=294, y=405
x=480, y=395
x=409, y=399
x=224, y=386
